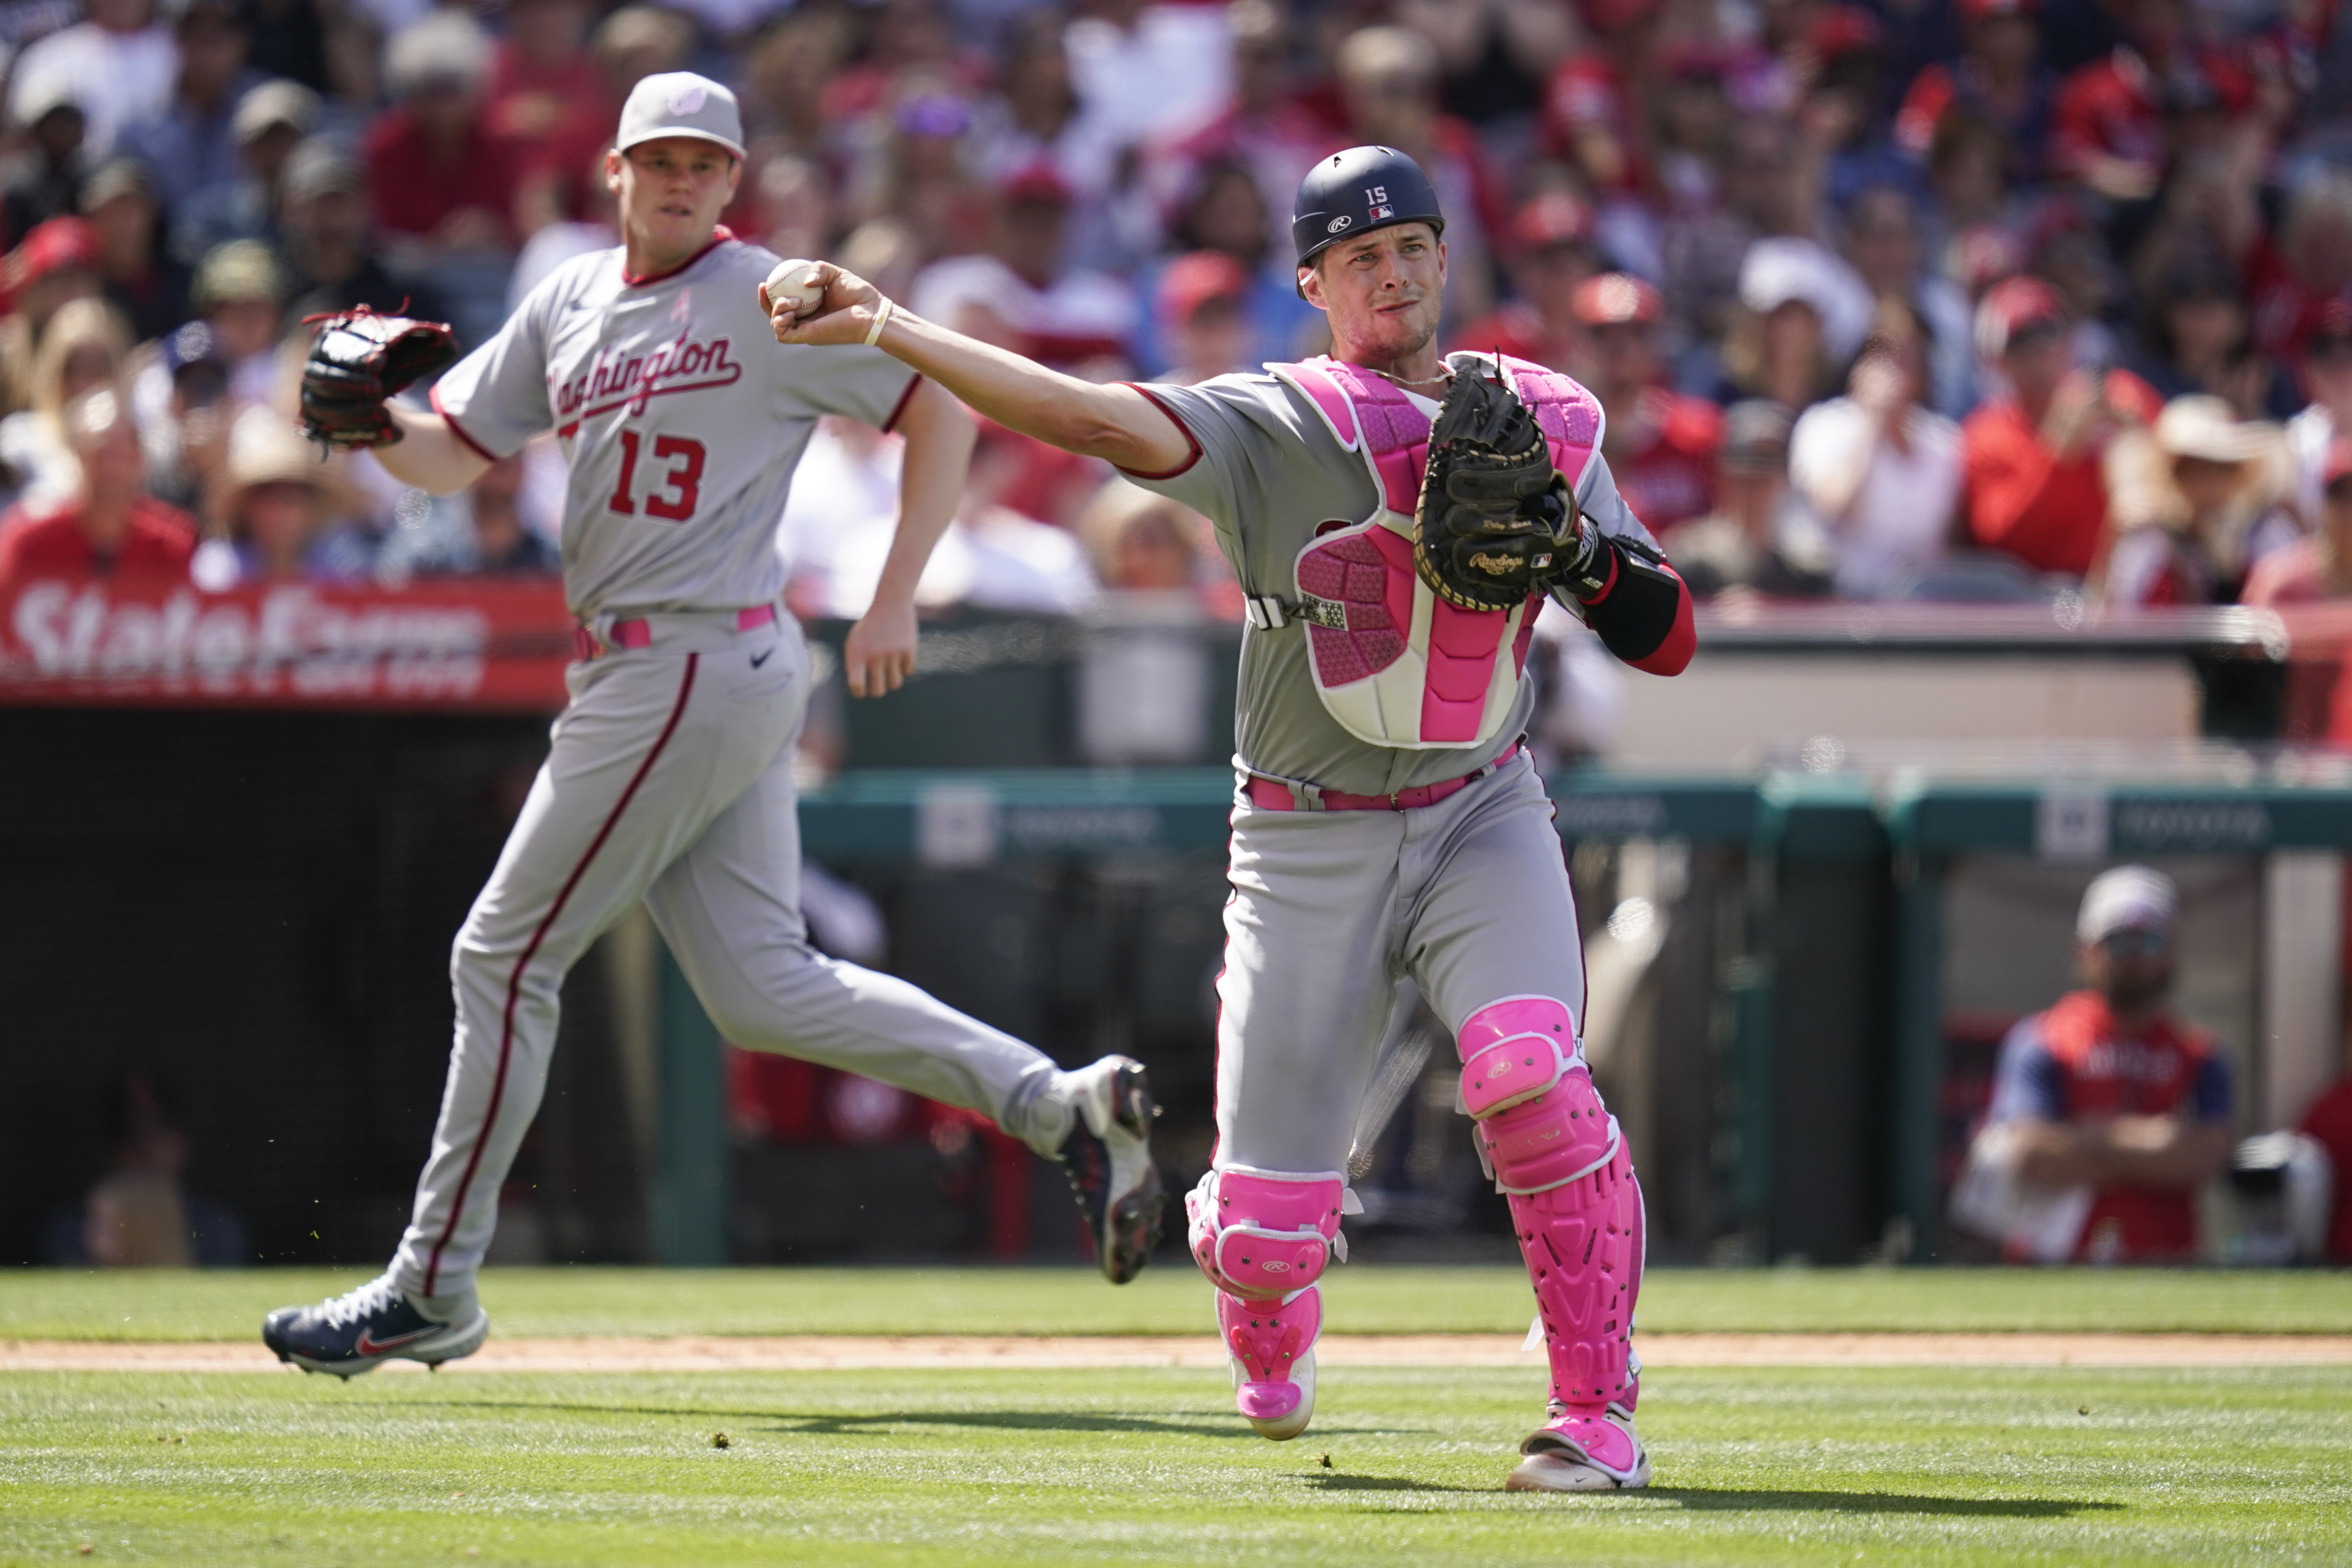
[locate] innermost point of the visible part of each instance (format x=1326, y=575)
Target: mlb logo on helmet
x=1383, y=212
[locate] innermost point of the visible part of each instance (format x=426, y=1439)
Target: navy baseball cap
x=1355, y=192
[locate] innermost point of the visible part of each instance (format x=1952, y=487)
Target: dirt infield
x=817, y=1354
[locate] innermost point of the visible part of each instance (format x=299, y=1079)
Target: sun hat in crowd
x=2129, y=898
x=319, y=165
x=680, y=103
x=2197, y=425
x=241, y=269
x=272, y=104
x=1781, y=271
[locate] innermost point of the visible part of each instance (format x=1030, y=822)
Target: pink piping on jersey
x=1190, y=441
x=898, y=409
x=460, y=430
x=531, y=950
x=720, y=235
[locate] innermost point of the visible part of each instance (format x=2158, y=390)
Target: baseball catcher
x=1398, y=517
x=359, y=360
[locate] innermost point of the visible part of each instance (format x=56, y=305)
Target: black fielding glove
x=358, y=360
x=1496, y=524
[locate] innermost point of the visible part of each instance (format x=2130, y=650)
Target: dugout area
x=1798, y=981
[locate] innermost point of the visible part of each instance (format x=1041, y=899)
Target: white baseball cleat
x=1278, y=1411
x=1582, y=1451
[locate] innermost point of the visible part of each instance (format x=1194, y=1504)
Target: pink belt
x=628, y=637
x=1277, y=794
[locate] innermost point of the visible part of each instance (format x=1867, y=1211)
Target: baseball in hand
x=789, y=282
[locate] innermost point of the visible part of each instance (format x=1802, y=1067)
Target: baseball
x=790, y=281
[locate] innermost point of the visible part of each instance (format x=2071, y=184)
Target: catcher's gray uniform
x=670, y=775
x=1468, y=895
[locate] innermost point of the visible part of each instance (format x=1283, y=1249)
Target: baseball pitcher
x=1396, y=519
x=669, y=778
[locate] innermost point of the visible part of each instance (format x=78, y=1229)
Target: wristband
x=881, y=320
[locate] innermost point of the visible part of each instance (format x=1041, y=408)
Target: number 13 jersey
x=680, y=416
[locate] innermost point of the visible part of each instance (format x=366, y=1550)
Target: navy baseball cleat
x=1107, y=1157
x=378, y=1322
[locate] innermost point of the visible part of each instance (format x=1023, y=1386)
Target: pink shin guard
x=1263, y=1237
x=1555, y=1152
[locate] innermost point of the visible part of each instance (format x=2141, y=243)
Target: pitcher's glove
x=1495, y=521
x=358, y=360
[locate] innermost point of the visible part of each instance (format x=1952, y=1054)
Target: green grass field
x=1170, y=1299
x=1754, y=1465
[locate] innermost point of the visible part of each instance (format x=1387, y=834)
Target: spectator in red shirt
x=2291, y=282
x=2109, y=1093
x=1997, y=81
x=2108, y=129
x=442, y=180
x=1594, y=111
x=547, y=102
x=1661, y=445
x=2030, y=482
x=2318, y=566
x=1551, y=256
x=110, y=526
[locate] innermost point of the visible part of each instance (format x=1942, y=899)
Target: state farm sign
x=496, y=646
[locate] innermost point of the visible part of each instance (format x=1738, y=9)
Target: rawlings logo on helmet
x=689, y=99
x=1336, y=224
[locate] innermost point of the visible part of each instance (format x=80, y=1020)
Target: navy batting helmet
x=1361, y=189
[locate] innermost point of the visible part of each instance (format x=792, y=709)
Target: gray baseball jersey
x=681, y=418
x=1268, y=474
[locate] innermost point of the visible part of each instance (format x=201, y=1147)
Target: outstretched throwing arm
x=1117, y=424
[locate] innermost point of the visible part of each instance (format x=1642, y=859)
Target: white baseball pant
x=670, y=779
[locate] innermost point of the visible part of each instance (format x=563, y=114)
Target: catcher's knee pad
x=1556, y=1154
x=1262, y=1233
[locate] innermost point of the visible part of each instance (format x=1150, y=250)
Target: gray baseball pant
x=1468, y=897
x=669, y=780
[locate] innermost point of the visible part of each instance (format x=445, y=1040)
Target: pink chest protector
x=1395, y=664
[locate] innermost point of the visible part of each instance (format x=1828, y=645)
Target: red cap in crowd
x=2013, y=307
x=1975, y=11
x=51, y=247
x=1844, y=30
x=1039, y=182
x=1605, y=15
x=1613, y=299
x=1192, y=281
x=1555, y=217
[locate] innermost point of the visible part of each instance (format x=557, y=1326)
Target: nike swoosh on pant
x=761, y=659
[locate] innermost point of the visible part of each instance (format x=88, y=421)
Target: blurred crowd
x=1962, y=300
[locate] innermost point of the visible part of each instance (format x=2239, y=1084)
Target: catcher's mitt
x=358, y=360
x=1495, y=522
